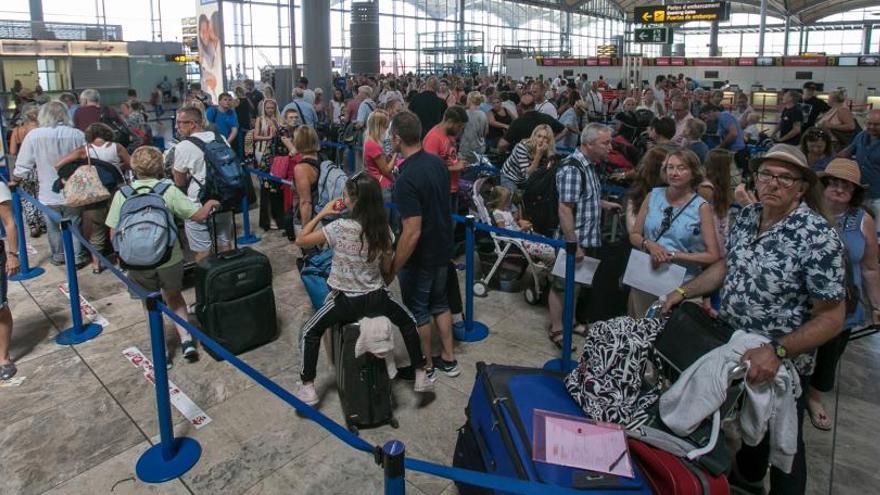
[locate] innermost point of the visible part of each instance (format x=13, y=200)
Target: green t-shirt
x=178, y=204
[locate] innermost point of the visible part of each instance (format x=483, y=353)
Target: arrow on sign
x=644, y=35
x=647, y=16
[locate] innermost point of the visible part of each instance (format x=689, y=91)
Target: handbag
x=84, y=186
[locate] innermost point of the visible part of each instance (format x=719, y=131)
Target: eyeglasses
x=667, y=219
x=784, y=181
x=185, y=122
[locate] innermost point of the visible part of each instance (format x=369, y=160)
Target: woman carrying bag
x=674, y=225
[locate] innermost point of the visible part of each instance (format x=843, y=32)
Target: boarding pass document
x=641, y=275
x=580, y=443
x=583, y=270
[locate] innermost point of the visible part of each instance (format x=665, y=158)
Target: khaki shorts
x=166, y=278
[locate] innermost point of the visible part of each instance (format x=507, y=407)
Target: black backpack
x=540, y=198
x=122, y=134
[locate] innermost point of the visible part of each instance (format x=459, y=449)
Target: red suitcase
x=668, y=474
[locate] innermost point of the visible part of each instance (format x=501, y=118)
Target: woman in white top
x=99, y=146
x=360, y=270
x=338, y=106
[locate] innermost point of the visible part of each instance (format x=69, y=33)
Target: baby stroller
x=504, y=247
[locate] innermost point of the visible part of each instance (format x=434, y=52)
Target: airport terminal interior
x=324, y=104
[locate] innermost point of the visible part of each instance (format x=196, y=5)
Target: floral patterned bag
x=84, y=186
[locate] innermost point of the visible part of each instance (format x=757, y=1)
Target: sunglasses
x=667, y=218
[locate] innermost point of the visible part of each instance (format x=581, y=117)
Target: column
x=787, y=32
x=316, y=44
x=713, y=40
x=866, y=41
x=763, y=28
x=36, y=8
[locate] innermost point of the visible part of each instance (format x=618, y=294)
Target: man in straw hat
x=793, y=299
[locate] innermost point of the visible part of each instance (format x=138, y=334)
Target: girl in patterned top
x=361, y=265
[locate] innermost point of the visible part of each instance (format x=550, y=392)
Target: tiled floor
x=83, y=415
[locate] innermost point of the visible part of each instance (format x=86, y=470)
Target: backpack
x=541, y=199
x=122, y=134
x=331, y=184
x=224, y=175
x=146, y=233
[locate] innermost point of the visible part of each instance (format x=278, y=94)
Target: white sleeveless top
x=106, y=152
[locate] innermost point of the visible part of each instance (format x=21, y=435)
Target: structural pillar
x=36, y=8
x=713, y=40
x=787, y=32
x=762, y=31
x=316, y=44
x=866, y=41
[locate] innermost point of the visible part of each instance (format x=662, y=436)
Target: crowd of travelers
x=708, y=188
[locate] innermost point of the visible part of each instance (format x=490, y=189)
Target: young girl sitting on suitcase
x=362, y=254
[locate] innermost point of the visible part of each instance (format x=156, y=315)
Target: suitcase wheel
x=354, y=429
x=393, y=422
x=480, y=289
x=531, y=296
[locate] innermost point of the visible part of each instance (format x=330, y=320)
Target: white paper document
x=583, y=271
x=641, y=275
x=581, y=443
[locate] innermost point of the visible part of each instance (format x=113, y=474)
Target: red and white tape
x=190, y=410
x=88, y=311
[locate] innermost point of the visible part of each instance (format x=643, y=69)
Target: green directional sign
x=653, y=35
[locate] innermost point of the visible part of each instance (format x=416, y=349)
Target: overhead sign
x=682, y=12
x=653, y=35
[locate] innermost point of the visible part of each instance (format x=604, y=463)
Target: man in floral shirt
x=784, y=279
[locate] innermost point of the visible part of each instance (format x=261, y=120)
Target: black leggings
x=340, y=308
x=453, y=290
x=271, y=207
x=826, y=362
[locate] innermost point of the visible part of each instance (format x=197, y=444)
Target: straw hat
x=785, y=153
x=848, y=170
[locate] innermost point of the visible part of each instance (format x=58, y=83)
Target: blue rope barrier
x=269, y=177
x=52, y=214
x=311, y=413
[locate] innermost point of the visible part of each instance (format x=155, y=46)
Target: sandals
x=556, y=337
x=7, y=371
x=580, y=329
x=819, y=417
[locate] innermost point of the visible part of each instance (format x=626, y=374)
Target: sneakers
x=450, y=368
x=424, y=381
x=307, y=394
x=190, y=353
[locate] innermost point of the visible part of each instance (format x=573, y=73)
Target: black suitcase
x=363, y=382
x=235, y=303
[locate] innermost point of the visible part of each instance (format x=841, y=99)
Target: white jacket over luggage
x=702, y=389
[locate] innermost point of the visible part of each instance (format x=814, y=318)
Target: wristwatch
x=778, y=349
x=10, y=253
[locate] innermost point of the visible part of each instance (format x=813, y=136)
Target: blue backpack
x=314, y=273
x=224, y=176
x=146, y=233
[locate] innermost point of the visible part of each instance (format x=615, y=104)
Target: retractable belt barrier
x=174, y=456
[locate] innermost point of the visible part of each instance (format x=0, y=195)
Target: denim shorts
x=424, y=292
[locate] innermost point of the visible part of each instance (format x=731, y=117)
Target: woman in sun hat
x=844, y=193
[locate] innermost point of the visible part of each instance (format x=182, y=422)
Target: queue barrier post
x=78, y=333
x=172, y=457
x=393, y=456
x=474, y=331
x=351, y=159
x=247, y=236
x=25, y=272
x=564, y=363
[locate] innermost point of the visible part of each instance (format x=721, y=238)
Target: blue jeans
x=424, y=292
x=54, y=232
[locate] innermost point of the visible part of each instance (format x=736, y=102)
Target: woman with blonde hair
x=527, y=156
x=379, y=165
x=29, y=122
x=839, y=121
x=307, y=170
x=265, y=127
x=473, y=138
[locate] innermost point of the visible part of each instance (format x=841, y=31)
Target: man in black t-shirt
x=791, y=121
x=428, y=107
x=816, y=106
x=421, y=193
x=522, y=127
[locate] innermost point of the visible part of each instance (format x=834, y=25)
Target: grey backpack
x=146, y=233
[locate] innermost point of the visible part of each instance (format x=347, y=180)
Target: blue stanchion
x=393, y=456
x=78, y=333
x=172, y=457
x=565, y=364
x=515, y=234
x=25, y=272
x=474, y=331
x=247, y=236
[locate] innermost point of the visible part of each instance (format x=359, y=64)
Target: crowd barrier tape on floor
x=173, y=457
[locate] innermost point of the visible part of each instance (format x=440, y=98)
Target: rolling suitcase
x=667, y=473
x=235, y=303
x=363, y=382
x=497, y=437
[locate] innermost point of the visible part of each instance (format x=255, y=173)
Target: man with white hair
x=41, y=149
x=366, y=107
x=306, y=110
x=91, y=111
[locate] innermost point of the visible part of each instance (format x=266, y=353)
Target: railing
x=174, y=456
x=38, y=30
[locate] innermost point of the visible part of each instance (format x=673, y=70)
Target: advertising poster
x=210, y=41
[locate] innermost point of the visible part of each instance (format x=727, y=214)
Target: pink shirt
x=373, y=150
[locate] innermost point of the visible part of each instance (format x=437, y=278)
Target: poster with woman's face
x=211, y=47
